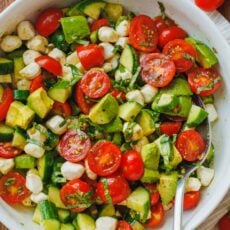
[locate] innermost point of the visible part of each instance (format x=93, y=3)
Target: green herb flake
x=10, y=181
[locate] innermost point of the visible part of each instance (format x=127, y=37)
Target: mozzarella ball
x=10, y=43
x=29, y=56
x=25, y=30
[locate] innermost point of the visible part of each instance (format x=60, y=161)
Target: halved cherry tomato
x=50, y=64
x=48, y=21
x=104, y=158
x=13, y=188
x=204, y=82
x=132, y=166
x=63, y=109
x=77, y=195
x=118, y=94
x=157, y=216
x=191, y=200
x=74, y=146
x=182, y=53
x=123, y=225
x=154, y=194
x=8, y=151
x=224, y=222
x=157, y=70
x=170, y=128
x=143, y=34
x=36, y=84
x=161, y=23
x=7, y=99
x=209, y=5
x=190, y=144
x=96, y=25
x=91, y=56
x=113, y=188
x=170, y=33
x=95, y=84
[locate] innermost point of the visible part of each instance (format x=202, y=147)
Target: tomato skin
x=157, y=216
x=154, y=194
x=162, y=24
x=95, y=84
x=63, y=109
x=170, y=128
x=224, y=222
x=170, y=33
x=81, y=188
x=132, y=166
x=118, y=189
x=157, y=70
x=48, y=21
x=96, y=25
x=7, y=99
x=209, y=5
x=190, y=144
x=90, y=56
x=199, y=77
x=143, y=34
x=123, y=225
x=14, y=192
x=118, y=94
x=74, y=146
x=36, y=83
x=191, y=200
x=50, y=64
x=104, y=158
x=8, y=151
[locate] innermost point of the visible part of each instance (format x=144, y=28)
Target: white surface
x=200, y=26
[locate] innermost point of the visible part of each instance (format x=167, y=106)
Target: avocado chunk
x=129, y=110
x=196, y=116
x=83, y=221
x=40, y=103
x=137, y=226
x=108, y=210
x=113, y=11
x=104, y=111
x=18, y=66
x=24, y=161
x=19, y=138
x=19, y=115
x=167, y=186
x=166, y=102
x=150, y=176
x=114, y=126
x=176, y=159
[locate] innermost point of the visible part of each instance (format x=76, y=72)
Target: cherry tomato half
x=13, y=188
x=113, y=188
x=191, y=200
x=204, y=82
x=157, y=70
x=132, y=166
x=154, y=194
x=170, y=128
x=118, y=94
x=182, y=53
x=77, y=195
x=91, y=56
x=48, y=21
x=8, y=151
x=36, y=83
x=95, y=84
x=96, y=25
x=190, y=144
x=143, y=34
x=7, y=99
x=161, y=23
x=63, y=109
x=50, y=64
x=104, y=158
x=224, y=222
x=209, y=5
x=123, y=225
x=75, y=145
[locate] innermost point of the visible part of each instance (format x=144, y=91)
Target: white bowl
x=199, y=25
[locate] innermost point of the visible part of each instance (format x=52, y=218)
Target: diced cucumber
x=6, y=133
x=113, y=11
x=24, y=161
x=19, y=139
x=48, y=210
x=21, y=95
x=18, y=66
x=67, y=226
x=94, y=37
x=167, y=102
x=107, y=210
x=5, y=78
x=57, y=176
x=196, y=116
x=208, y=99
x=54, y=196
x=16, y=53
x=83, y=221
x=150, y=176
x=50, y=224
x=64, y=215
x=37, y=216
x=6, y=66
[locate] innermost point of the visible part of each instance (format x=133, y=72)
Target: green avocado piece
x=83, y=221
x=114, y=126
x=129, y=110
x=166, y=102
x=196, y=116
x=104, y=111
x=114, y=11
x=150, y=176
x=176, y=160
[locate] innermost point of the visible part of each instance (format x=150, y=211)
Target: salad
x=98, y=117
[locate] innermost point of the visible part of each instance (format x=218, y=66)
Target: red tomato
x=75, y=145
x=118, y=94
x=63, y=109
x=204, y=82
x=7, y=99
x=91, y=56
x=224, y=222
x=77, y=195
x=104, y=158
x=170, y=128
x=48, y=21
x=96, y=25
x=13, y=188
x=170, y=33
x=191, y=200
x=81, y=101
x=113, y=188
x=190, y=145
x=182, y=53
x=209, y=5
x=157, y=70
x=154, y=194
x=95, y=84
x=132, y=166
x=161, y=23
x=157, y=216
x=8, y=151
x=123, y=225
x=36, y=84
x=143, y=34
x=50, y=64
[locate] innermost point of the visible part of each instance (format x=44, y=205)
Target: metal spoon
x=205, y=131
